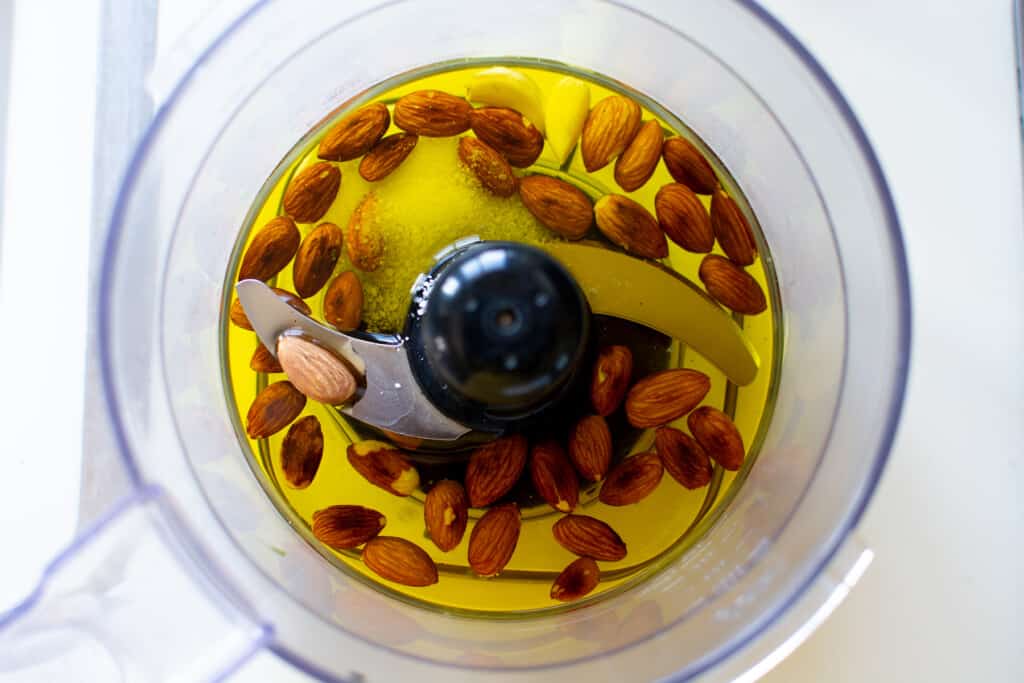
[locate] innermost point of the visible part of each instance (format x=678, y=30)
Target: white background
x=934, y=85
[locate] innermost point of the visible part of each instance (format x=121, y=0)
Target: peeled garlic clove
x=502, y=87
x=568, y=106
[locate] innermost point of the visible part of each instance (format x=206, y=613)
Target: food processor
x=197, y=570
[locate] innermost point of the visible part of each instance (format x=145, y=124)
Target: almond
x=263, y=361
x=343, y=302
x=683, y=218
x=688, y=166
x=399, y=560
x=608, y=130
x=553, y=476
x=494, y=539
x=270, y=250
x=664, y=396
x=636, y=165
x=311, y=192
x=316, y=258
x=301, y=452
x=273, y=409
x=445, y=513
x=612, y=372
x=489, y=167
x=432, y=114
x=509, y=132
x=732, y=229
x=632, y=480
x=589, y=537
x=560, y=206
x=590, y=447
x=717, y=434
x=731, y=286
x=683, y=458
x=386, y=156
x=237, y=313
x=354, y=135
x=494, y=468
x=384, y=466
x=364, y=242
x=347, y=526
x=315, y=370
x=579, y=578
x=631, y=226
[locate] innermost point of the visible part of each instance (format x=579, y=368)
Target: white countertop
x=934, y=85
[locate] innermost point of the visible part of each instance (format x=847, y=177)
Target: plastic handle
x=127, y=602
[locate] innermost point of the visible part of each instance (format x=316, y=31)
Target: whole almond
x=237, y=313
x=589, y=537
x=316, y=258
x=432, y=114
x=399, y=560
x=732, y=229
x=553, y=476
x=354, y=135
x=263, y=361
x=301, y=452
x=493, y=539
x=343, y=302
x=559, y=205
x=683, y=218
x=311, y=192
x=509, y=132
x=445, y=513
x=579, y=578
x=384, y=466
x=273, y=409
x=315, y=370
x=636, y=165
x=632, y=480
x=688, y=166
x=590, y=447
x=364, y=242
x=347, y=526
x=731, y=286
x=494, y=468
x=631, y=226
x=684, y=459
x=490, y=168
x=612, y=372
x=386, y=156
x=608, y=130
x=717, y=434
x=664, y=396
x=270, y=250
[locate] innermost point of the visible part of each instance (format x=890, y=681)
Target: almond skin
x=578, y=579
x=612, y=372
x=316, y=258
x=386, y=156
x=445, y=514
x=316, y=371
x=553, y=476
x=354, y=135
x=432, y=114
x=632, y=480
x=364, y=243
x=718, y=435
x=263, y=361
x=684, y=459
x=590, y=447
x=664, y=396
x=270, y=250
x=509, y=132
x=273, y=409
x=589, y=537
x=384, y=466
x=347, y=526
x=494, y=468
x=399, y=560
x=630, y=226
x=731, y=286
x=494, y=539
x=301, y=452
x=343, y=302
x=489, y=167
x=732, y=229
x=688, y=166
x=237, y=313
x=560, y=206
x=683, y=218
x=636, y=165
x=608, y=130
x=311, y=192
